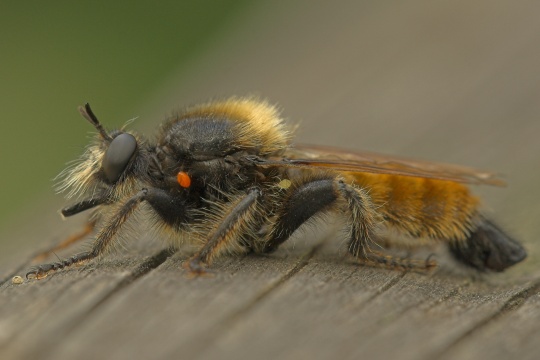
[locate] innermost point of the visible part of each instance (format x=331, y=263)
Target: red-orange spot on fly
x=183, y=179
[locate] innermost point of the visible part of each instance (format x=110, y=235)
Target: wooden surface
x=453, y=81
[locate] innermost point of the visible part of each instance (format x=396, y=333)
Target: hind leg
x=314, y=196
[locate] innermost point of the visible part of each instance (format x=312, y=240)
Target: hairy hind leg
x=362, y=241
x=314, y=196
x=300, y=203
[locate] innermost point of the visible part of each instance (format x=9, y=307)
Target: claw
x=41, y=271
x=430, y=264
x=196, y=268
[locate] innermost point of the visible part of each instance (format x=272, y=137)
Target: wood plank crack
x=144, y=268
x=140, y=271
x=511, y=305
x=385, y=287
x=227, y=323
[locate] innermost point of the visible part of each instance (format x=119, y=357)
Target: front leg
x=106, y=236
x=238, y=221
x=72, y=239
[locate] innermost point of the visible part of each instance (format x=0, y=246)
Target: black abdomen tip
x=489, y=248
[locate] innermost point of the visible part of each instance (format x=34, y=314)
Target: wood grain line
x=385, y=287
x=511, y=305
x=225, y=326
x=143, y=269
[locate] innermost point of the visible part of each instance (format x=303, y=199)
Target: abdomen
x=422, y=207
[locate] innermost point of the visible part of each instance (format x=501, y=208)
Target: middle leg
x=317, y=195
x=237, y=221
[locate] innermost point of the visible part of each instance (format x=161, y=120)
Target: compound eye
x=118, y=155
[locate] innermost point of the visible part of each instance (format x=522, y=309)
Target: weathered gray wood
x=454, y=81
x=282, y=306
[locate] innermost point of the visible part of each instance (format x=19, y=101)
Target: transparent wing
x=314, y=156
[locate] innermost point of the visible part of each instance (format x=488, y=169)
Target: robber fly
x=225, y=176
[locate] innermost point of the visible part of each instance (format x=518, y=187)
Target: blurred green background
x=55, y=56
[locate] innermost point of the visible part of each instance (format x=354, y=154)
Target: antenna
x=88, y=114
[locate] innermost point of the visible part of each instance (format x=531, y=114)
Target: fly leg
x=237, y=222
x=106, y=235
x=380, y=259
x=71, y=210
x=88, y=228
x=319, y=195
x=300, y=203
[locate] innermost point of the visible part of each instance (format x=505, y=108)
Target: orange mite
x=183, y=179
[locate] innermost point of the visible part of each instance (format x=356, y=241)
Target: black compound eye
x=118, y=155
